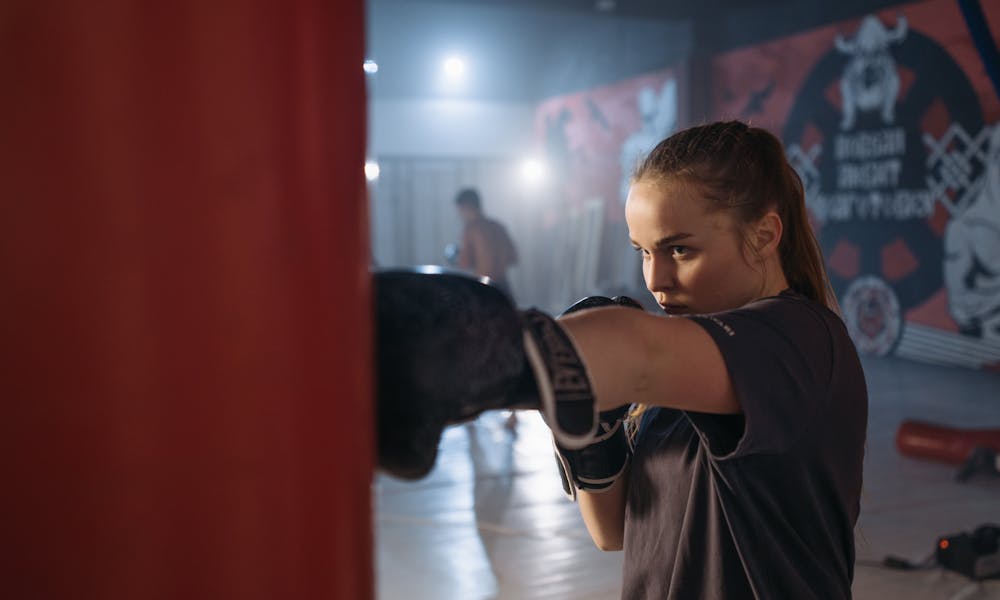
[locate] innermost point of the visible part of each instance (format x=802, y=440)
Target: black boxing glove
x=595, y=467
x=448, y=347
x=601, y=301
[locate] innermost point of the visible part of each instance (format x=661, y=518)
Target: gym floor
x=491, y=520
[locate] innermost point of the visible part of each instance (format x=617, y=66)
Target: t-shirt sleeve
x=779, y=358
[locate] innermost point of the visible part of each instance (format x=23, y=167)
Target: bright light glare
x=371, y=170
x=532, y=171
x=454, y=67
x=371, y=67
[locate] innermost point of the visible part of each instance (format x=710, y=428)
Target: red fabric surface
x=184, y=300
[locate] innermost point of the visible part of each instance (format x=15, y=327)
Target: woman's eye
x=644, y=254
x=679, y=250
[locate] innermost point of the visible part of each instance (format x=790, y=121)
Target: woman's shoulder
x=791, y=308
x=788, y=319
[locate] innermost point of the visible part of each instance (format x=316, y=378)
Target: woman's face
x=694, y=261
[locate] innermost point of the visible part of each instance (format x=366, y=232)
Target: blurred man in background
x=486, y=249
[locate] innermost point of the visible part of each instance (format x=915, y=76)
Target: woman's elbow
x=607, y=539
x=609, y=545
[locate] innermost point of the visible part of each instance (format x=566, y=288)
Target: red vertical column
x=184, y=300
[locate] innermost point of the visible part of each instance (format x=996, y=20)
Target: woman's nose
x=660, y=274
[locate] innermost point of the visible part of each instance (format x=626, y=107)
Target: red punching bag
x=184, y=300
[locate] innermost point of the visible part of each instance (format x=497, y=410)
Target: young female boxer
x=749, y=402
x=749, y=406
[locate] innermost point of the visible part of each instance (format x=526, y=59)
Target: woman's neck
x=775, y=281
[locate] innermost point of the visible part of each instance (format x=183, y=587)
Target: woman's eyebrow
x=665, y=241
x=671, y=239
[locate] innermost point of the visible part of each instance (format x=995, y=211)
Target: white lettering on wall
x=869, y=175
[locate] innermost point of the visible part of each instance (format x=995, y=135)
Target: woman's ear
x=767, y=234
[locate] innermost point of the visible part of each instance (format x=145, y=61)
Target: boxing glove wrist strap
x=561, y=380
x=595, y=467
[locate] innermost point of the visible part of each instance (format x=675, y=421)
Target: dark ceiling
x=525, y=50
x=823, y=10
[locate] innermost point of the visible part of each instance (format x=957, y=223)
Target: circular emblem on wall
x=871, y=311
x=874, y=132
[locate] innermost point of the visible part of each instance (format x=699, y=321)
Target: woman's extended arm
x=639, y=358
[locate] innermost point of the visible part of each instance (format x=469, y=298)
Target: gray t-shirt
x=761, y=504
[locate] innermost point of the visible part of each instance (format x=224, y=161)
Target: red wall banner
x=593, y=140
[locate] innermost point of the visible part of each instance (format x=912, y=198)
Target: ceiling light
x=454, y=67
x=532, y=172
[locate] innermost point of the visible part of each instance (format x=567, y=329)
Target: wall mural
x=892, y=124
x=887, y=120
x=593, y=140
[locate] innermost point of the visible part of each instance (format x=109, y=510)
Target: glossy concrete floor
x=491, y=520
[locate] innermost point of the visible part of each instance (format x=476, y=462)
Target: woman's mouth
x=674, y=309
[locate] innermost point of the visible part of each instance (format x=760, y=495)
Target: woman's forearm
x=604, y=514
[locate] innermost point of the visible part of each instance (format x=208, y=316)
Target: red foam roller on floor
x=938, y=442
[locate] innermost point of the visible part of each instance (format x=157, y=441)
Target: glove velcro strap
x=597, y=466
x=567, y=400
